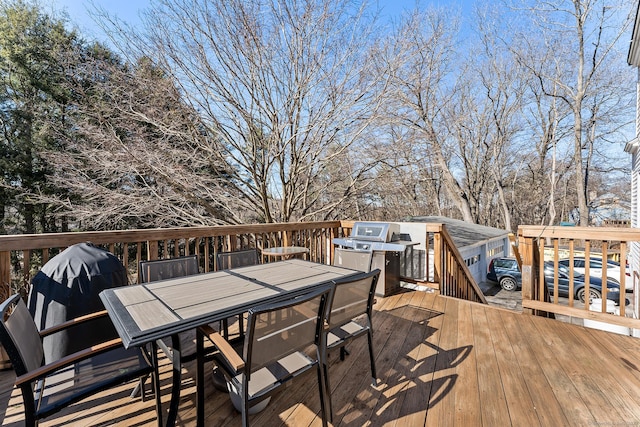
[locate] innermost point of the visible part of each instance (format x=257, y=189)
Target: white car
x=595, y=269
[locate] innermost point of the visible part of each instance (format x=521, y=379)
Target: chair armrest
x=68, y=360
x=73, y=322
x=231, y=356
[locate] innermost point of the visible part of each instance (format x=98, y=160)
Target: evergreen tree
x=32, y=99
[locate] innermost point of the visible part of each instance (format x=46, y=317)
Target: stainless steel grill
x=387, y=246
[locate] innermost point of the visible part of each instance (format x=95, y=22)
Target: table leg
x=177, y=380
x=199, y=379
x=156, y=382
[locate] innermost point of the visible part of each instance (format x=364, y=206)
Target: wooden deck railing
x=537, y=244
x=451, y=274
x=21, y=256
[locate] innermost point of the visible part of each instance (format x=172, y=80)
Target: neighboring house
x=606, y=210
x=609, y=209
x=633, y=146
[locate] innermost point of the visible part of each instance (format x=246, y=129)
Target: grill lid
x=375, y=231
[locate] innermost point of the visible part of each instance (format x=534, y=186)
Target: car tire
x=593, y=293
x=508, y=284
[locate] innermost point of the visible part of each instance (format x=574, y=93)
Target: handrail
x=538, y=244
x=450, y=271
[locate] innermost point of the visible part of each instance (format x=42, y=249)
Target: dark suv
x=505, y=271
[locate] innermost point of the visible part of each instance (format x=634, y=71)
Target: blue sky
x=128, y=10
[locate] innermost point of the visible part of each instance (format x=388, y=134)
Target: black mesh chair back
x=352, y=258
x=162, y=269
x=277, y=331
x=235, y=259
x=68, y=380
x=348, y=317
x=273, y=351
x=21, y=338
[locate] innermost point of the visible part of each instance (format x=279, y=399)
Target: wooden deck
x=440, y=361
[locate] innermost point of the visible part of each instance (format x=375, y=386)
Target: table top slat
x=130, y=295
x=151, y=314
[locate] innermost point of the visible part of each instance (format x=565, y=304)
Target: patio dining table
x=145, y=313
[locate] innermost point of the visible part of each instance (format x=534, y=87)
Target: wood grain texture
x=440, y=361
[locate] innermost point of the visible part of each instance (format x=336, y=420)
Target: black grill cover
x=67, y=287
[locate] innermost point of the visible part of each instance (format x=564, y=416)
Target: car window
x=505, y=263
x=578, y=263
x=564, y=272
x=595, y=264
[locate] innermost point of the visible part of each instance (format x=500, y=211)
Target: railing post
x=437, y=257
x=534, y=287
x=526, y=250
x=152, y=250
x=333, y=232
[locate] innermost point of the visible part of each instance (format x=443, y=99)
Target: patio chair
x=47, y=389
x=349, y=317
x=272, y=353
x=352, y=258
x=162, y=269
x=235, y=259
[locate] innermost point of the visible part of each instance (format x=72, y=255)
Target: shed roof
x=463, y=233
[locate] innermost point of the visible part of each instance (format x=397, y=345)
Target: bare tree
x=284, y=110
x=137, y=156
x=582, y=39
x=459, y=112
x=502, y=85
x=285, y=86
x=422, y=94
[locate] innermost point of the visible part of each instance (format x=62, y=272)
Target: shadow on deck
x=440, y=362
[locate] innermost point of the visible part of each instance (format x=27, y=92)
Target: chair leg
x=323, y=393
x=343, y=352
x=140, y=388
x=245, y=407
x=29, y=406
x=374, y=377
x=327, y=390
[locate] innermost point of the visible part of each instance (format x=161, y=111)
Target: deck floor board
x=440, y=362
x=514, y=383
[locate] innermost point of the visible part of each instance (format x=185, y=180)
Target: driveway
x=498, y=297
